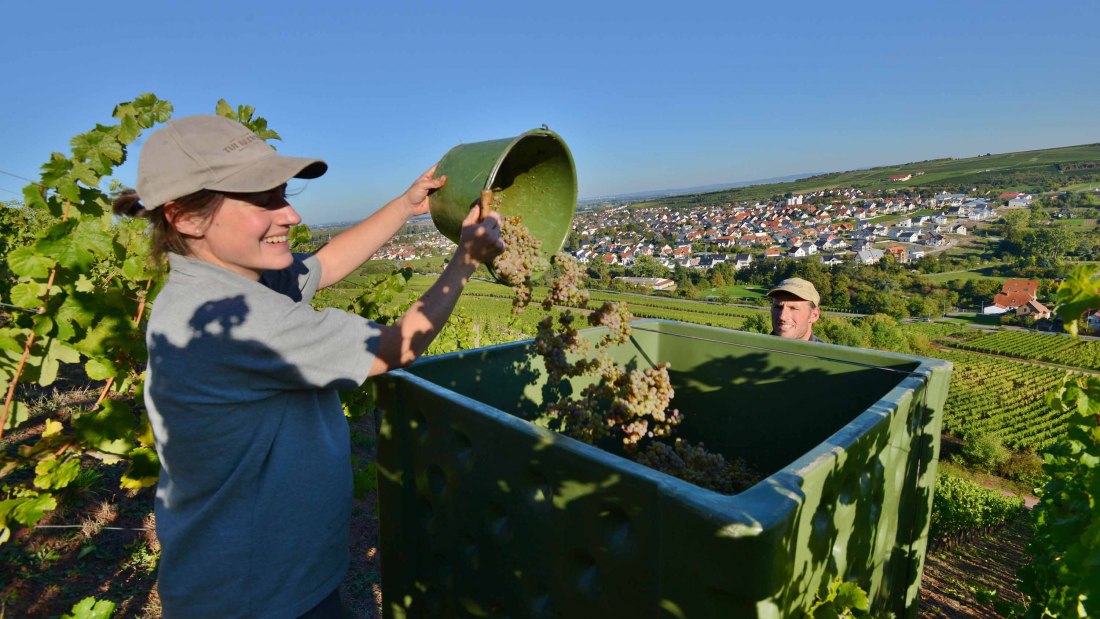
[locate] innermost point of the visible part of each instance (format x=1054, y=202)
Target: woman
x=254, y=498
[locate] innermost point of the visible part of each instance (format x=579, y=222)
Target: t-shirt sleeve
x=305, y=348
x=299, y=281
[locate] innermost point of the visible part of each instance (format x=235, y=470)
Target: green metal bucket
x=531, y=175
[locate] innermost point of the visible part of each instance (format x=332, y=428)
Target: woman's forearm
x=351, y=248
x=402, y=342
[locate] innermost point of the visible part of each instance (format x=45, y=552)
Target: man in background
x=795, y=309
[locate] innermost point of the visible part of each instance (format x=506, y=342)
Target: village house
x=652, y=283
x=868, y=255
x=898, y=252
x=1033, y=309
x=1014, y=293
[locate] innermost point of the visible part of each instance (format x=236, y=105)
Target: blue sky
x=646, y=95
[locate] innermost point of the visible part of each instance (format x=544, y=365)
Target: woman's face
x=247, y=234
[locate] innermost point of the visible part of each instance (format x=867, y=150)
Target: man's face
x=792, y=317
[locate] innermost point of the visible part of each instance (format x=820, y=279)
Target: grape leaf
x=67, y=251
x=55, y=474
x=91, y=608
x=99, y=369
x=26, y=511
x=1078, y=293
x=109, y=429
x=52, y=427
x=25, y=262
x=17, y=415
x=55, y=169
x=83, y=172
x=32, y=197
x=128, y=128
x=144, y=469
x=28, y=294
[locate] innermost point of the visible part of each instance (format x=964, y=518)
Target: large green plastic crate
x=486, y=514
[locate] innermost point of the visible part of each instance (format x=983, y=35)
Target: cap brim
x=269, y=173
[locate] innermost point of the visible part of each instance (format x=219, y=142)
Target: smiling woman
x=243, y=373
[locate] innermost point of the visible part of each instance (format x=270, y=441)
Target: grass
x=1077, y=224
x=737, y=291
x=976, y=319
x=886, y=219
x=985, y=272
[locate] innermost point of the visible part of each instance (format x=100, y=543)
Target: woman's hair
x=165, y=236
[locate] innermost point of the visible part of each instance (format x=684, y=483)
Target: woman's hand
x=416, y=197
x=480, y=238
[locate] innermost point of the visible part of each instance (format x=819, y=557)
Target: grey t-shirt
x=254, y=499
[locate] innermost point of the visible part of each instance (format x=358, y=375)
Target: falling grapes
x=565, y=289
x=632, y=406
x=522, y=256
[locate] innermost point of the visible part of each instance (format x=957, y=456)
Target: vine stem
x=137, y=321
x=30, y=342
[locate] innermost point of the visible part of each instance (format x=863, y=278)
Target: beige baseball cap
x=800, y=288
x=215, y=153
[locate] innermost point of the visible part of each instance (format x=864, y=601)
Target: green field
x=887, y=219
x=993, y=320
x=1077, y=224
x=985, y=272
x=737, y=291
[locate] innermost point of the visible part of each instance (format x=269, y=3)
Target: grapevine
x=81, y=283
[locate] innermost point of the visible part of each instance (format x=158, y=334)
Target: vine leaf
x=26, y=510
x=32, y=197
x=53, y=427
x=1078, y=293
x=28, y=294
x=91, y=608
x=17, y=416
x=25, y=262
x=67, y=251
x=54, y=474
x=99, y=369
x=56, y=169
x=56, y=354
x=110, y=429
x=144, y=469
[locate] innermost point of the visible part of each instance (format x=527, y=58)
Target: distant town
x=831, y=226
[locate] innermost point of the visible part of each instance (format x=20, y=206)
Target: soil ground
x=960, y=579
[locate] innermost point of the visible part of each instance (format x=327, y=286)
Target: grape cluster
x=521, y=257
x=555, y=345
x=616, y=318
x=641, y=405
x=631, y=405
x=694, y=464
x=565, y=289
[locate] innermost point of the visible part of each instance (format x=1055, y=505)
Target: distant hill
x=664, y=193
x=1034, y=171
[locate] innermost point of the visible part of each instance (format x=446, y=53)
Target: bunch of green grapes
x=565, y=289
x=641, y=405
x=580, y=418
x=616, y=318
x=555, y=346
x=632, y=406
x=697, y=465
x=521, y=257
